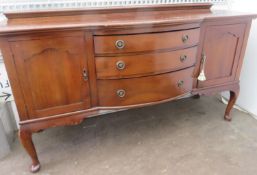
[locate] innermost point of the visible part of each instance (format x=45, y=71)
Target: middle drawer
x=145, y=64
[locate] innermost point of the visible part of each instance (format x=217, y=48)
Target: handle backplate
x=180, y=83
x=120, y=65
x=120, y=44
x=185, y=38
x=121, y=93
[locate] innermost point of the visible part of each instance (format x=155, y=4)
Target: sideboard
x=65, y=66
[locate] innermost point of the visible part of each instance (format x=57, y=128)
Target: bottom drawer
x=144, y=89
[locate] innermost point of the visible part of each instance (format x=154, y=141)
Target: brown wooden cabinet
x=65, y=66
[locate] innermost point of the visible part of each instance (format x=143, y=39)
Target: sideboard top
x=115, y=17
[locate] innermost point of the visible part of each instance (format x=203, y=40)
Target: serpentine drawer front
x=144, y=89
x=144, y=64
x=146, y=42
x=65, y=66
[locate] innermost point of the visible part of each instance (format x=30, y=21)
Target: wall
x=7, y=129
x=248, y=82
x=6, y=92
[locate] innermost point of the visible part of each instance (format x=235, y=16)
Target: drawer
x=145, y=42
x=142, y=90
x=144, y=64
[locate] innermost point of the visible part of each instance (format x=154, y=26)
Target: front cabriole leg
x=26, y=140
x=232, y=100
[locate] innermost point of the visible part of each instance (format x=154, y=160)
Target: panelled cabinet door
x=221, y=48
x=51, y=73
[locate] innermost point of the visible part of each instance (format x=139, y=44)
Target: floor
x=185, y=137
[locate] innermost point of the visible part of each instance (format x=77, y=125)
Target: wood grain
x=145, y=64
x=26, y=140
x=222, y=47
x=146, y=42
x=47, y=69
x=144, y=89
x=62, y=65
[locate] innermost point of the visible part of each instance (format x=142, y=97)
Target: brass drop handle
x=85, y=75
x=183, y=58
x=180, y=83
x=120, y=44
x=185, y=38
x=120, y=65
x=202, y=76
x=121, y=93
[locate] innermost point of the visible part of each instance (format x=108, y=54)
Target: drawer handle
x=185, y=38
x=180, y=83
x=121, y=93
x=120, y=65
x=120, y=44
x=183, y=58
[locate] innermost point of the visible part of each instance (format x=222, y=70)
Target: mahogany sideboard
x=67, y=65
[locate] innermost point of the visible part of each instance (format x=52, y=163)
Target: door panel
x=222, y=47
x=51, y=75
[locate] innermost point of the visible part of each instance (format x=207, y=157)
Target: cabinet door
x=222, y=47
x=50, y=72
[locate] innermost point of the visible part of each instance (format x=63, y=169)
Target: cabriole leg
x=232, y=100
x=26, y=140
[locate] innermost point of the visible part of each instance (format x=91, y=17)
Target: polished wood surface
x=109, y=10
x=51, y=74
x=144, y=89
x=144, y=64
x=26, y=140
x=146, y=42
x=232, y=100
x=222, y=59
x=152, y=16
x=65, y=66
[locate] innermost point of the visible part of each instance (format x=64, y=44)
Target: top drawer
x=145, y=42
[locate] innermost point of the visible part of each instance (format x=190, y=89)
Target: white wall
x=248, y=80
x=6, y=89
